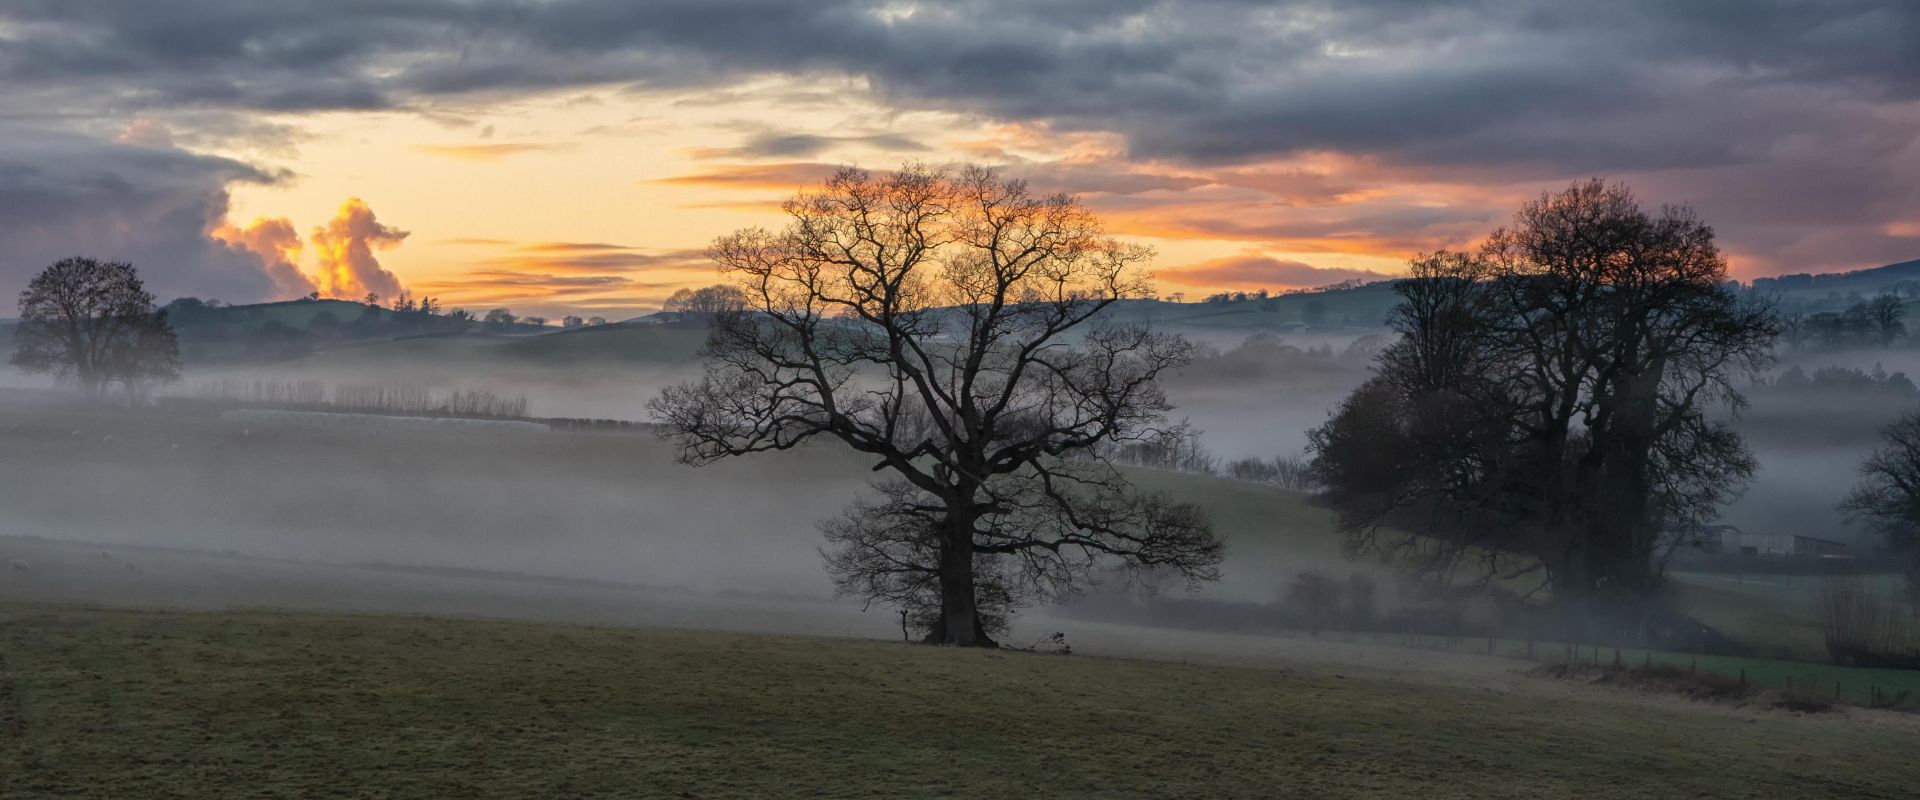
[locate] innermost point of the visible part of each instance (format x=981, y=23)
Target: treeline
x=309, y=395
x=211, y=331
x=1839, y=380
x=1878, y=322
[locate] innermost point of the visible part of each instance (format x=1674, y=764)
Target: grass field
x=118, y=704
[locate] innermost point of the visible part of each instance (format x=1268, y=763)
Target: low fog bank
x=615, y=507
x=588, y=505
x=601, y=506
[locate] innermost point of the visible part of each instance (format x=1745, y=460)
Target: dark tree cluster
x=1546, y=407
x=946, y=324
x=707, y=302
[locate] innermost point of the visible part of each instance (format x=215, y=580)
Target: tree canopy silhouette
x=1546, y=405
x=94, y=321
x=947, y=325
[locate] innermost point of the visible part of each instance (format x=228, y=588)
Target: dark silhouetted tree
x=1546, y=406
x=707, y=302
x=945, y=325
x=94, y=321
x=571, y=321
x=1887, y=497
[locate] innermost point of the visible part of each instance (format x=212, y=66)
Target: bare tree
x=1888, y=495
x=96, y=322
x=945, y=325
x=1885, y=312
x=1546, y=406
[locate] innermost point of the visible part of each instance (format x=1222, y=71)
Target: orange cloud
x=345, y=245
x=277, y=245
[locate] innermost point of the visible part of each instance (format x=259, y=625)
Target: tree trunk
x=959, y=622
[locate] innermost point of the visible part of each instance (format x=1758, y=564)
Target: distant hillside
x=1355, y=309
x=264, y=333
x=1817, y=292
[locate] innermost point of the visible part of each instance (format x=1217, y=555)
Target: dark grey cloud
x=1512, y=90
x=65, y=194
x=1475, y=80
x=773, y=145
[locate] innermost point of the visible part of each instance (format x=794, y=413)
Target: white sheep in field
x=20, y=566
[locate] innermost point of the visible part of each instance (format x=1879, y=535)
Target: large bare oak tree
x=948, y=324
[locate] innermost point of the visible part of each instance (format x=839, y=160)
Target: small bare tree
x=946, y=324
x=96, y=322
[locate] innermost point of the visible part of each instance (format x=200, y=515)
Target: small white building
x=1729, y=540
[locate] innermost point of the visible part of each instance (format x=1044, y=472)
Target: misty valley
x=848, y=399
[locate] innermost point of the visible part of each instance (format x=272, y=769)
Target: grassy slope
x=145, y=704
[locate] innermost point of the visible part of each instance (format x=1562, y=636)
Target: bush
x=1863, y=628
x=1316, y=597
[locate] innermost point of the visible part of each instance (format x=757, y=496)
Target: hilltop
x=1832, y=291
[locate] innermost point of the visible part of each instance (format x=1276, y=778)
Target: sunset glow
x=1325, y=146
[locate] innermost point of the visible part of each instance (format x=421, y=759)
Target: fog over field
x=616, y=507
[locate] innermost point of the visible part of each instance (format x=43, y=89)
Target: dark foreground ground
x=136, y=704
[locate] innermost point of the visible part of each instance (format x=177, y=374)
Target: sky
x=576, y=156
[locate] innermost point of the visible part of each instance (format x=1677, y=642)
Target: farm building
x=1729, y=540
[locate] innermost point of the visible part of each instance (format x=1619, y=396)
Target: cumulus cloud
x=277, y=245
x=1253, y=271
x=64, y=194
x=344, y=249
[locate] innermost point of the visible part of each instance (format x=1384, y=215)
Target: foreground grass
x=152, y=704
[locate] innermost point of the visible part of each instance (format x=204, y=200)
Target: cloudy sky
x=558, y=155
